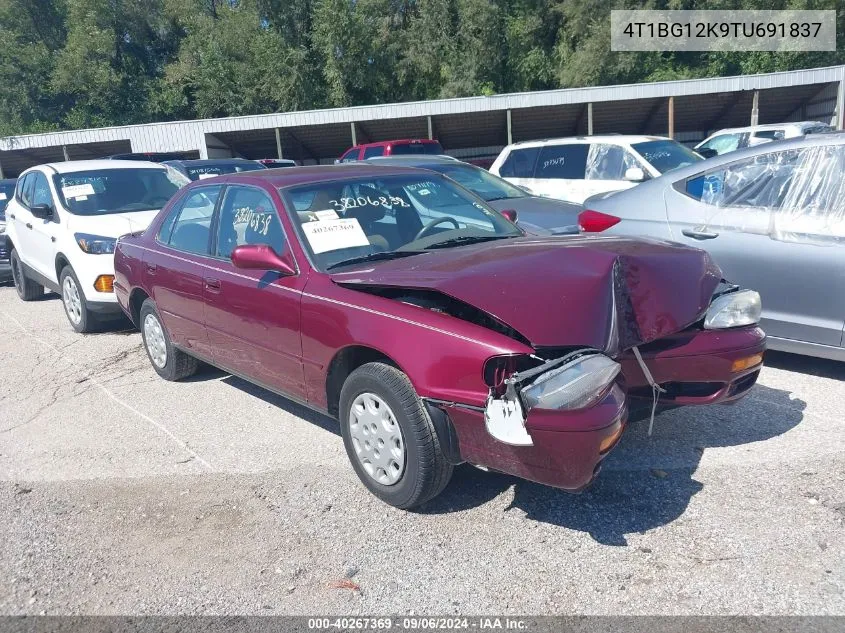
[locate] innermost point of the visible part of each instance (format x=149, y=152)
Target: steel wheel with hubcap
x=389, y=437
x=154, y=339
x=377, y=439
x=169, y=362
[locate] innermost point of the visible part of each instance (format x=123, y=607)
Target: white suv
x=573, y=169
x=735, y=138
x=64, y=221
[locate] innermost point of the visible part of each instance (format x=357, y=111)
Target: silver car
x=772, y=217
x=535, y=214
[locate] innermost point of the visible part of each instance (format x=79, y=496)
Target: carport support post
x=430, y=128
x=755, y=107
x=840, y=104
x=590, y=119
x=354, y=135
x=671, y=117
x=64, y=151
x=510, y=129
x=1, y=172
x=278, y=144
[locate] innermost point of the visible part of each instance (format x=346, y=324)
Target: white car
x=573, y=169
x=64, y=221
x=735, y=138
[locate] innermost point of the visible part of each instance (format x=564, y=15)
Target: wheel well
x=344, y=363
x=136, y=300
x=61, y=262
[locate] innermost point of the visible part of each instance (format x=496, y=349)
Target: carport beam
x=671, y=117
x=755, y=107
x=278, y=144
x=590, y=119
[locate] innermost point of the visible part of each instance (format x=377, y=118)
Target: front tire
x=169, y=363
x=390, y=438
x=78, y=315
x=28, y=290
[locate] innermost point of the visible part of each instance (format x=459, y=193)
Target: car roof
x=768, y=126
x=197, y=162
x=413, y=160
x=318, y=173
x=71, y=166
x=611, y=139
x=400, y=141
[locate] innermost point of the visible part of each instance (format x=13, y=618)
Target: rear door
x=19, y=215
x=769, y=222
x=176, y=276
x=560, y=172
x=253, y=316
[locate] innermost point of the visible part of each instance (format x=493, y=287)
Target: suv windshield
x=480, y=182
x=666, y=155
x=7, y=190
x=105, y=191
x=346, y=221
x=403, y=149
x=199, y=172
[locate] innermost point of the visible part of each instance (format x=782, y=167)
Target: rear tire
x=390, y=438
x=169, y=362
x=28, y=290
x=78, y=315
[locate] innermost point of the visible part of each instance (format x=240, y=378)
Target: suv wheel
x=28, y=290
x=76, y=307
x=170, y=363
x=389, y=437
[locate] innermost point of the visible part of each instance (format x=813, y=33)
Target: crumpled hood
x=112, y=225
x=610, y=293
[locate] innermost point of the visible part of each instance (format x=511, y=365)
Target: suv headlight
x=575, y=385
x=735, y=309
x=95, y=244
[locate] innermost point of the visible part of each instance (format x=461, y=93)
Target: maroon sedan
x=429, y=325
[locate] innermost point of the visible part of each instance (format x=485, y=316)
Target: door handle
x=151, y=268
x=28, y=225
x=212, y=284
x=699, y=235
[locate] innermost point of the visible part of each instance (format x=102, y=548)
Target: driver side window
x=41, y=191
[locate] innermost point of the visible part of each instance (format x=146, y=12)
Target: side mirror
x=262, y=257
x=634, y=174
x=707, y=152
x=42, y=211
x=510, y=214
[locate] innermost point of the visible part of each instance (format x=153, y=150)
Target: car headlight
x=575, y=385
x=95, y=244
x=735, y=309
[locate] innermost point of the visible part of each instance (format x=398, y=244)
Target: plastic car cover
x=792, y=195
x=608, y=162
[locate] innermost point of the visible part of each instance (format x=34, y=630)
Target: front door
x=43, y=232
x=253, y=316
x=768, y=221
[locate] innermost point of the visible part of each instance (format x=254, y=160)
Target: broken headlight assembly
x=735, y=309
x=575, y=381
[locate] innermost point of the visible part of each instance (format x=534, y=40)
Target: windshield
x=105, y=191
x=389, y=216
x=416, y=148
x=7, y=191
x=482, y=183
x=200, y=172
x=665, y=155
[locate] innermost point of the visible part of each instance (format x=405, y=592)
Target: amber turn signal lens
x=104, y=283
x=744, y=363
x=609, y=442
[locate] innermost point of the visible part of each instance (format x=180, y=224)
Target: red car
x=402, y=147
x=429, y=325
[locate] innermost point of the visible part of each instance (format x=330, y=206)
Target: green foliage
x=81, y=63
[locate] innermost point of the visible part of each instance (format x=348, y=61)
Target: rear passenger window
x=247, y=216
x=25, y=189
x=563, y=161
x=520, y=163
x=374, y=151
x=188, y=227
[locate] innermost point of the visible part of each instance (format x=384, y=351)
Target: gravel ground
x=121, y=493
